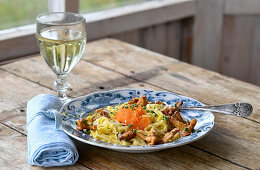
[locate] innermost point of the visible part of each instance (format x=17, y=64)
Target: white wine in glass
x=62, y=39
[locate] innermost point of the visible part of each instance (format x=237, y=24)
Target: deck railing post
x=63, y=5
x=56, y=5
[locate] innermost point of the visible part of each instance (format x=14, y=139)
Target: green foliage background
x=15, y=13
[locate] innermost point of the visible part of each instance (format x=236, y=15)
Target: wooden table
x=234, y=142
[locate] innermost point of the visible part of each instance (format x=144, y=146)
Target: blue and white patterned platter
x=82, y=106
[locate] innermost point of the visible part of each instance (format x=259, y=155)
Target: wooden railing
x=220, y=35
x=18, y=42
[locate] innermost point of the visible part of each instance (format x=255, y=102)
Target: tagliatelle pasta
x=137, y=122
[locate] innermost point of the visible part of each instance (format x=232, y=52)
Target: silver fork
x=237, y=109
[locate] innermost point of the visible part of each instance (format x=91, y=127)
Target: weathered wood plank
x=184, y=157
x=16, y=91
x=6, y=48
x=83, y=76
x=126, y=56
x=207, y=34
x=230, y=142
x=159, y=39
x=237, y=46
x=255, y=58
x=173, y=39
x=186, y=40
x=13, y=147
x=154, y=38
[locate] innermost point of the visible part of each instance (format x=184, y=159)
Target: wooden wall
x=239, y=53
x=173, y=39
x=240, y=48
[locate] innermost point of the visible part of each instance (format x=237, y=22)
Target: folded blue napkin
x=47, y=146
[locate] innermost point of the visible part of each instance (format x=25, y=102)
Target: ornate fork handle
x=237, y=109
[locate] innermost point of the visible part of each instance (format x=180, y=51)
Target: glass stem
x=62, y=85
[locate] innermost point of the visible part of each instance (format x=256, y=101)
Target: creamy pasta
x=137, y=122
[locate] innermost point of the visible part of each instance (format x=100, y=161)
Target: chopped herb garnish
x=130, y=125
x=147, y=111
x=127, y=139
x=126, y=107
x=135, y=105
x=155, y=115
x=175, y=105
x=186, y=129
x=198, y=131
x=144, y=107
x=134, y=131
x=84, y=121
x=91, y=124
x=137, y=93
x=164, y=118
x=132, y=107
x=152, y=111
x=76, y=123
x=188, y=121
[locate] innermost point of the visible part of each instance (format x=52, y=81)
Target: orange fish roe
x=133, y=116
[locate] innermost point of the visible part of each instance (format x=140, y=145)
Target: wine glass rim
x=82, y=19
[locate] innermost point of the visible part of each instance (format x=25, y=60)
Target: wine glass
x=62, y=40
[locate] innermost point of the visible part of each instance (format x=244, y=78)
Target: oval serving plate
x=82, y=106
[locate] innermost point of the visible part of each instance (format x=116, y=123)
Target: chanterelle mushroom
x=128, y=135
x=151, y=140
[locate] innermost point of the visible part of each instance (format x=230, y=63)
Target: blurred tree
x=20, y=12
